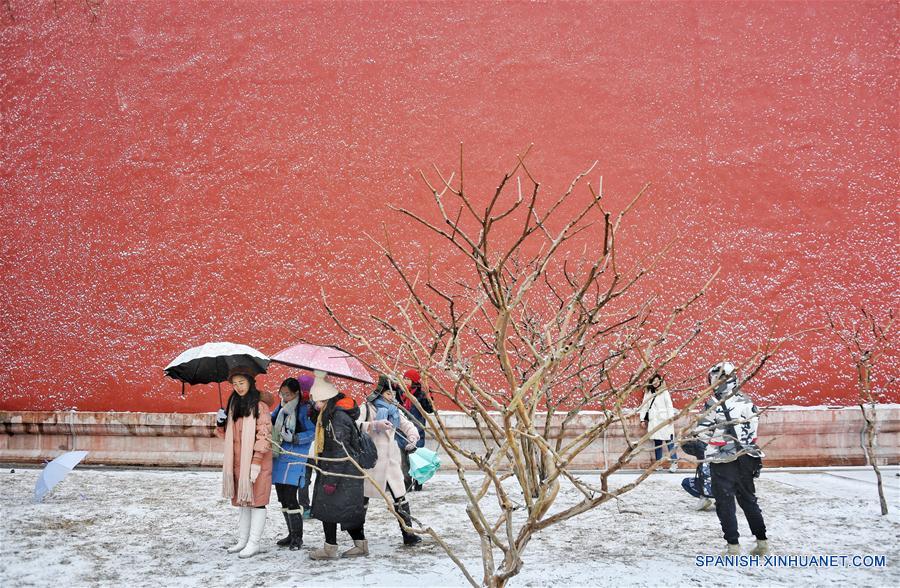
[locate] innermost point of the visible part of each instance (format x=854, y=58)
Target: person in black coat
x=414, y=385
x=337, y=499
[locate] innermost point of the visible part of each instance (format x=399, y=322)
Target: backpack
x=368, y=453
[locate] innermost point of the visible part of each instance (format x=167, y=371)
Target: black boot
x=286, y=540
x=296, y=517
x=402, y=508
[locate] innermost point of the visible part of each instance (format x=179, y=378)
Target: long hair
x=244, y=405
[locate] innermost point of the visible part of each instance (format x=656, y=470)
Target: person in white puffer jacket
x=657, y=411
x=729, y=428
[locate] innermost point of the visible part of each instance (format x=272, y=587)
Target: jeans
x=731, y=480
x=657, y=449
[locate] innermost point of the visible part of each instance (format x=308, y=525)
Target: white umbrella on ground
x=55, y=471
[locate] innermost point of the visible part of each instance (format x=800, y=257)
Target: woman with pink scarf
x=247, y=466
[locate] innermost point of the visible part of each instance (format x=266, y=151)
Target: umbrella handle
x=221, y=405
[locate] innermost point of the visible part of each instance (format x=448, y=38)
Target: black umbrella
x=211, y=362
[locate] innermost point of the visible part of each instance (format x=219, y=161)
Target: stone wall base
x=791, y=436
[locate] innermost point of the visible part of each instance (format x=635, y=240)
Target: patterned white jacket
x=716, y=431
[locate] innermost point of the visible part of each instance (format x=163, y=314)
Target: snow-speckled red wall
x=180, y=172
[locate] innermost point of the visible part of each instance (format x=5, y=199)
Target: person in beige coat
x=656, y=409
x=246, y=426
x=392, y=433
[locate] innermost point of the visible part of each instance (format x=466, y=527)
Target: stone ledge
x=795, y=436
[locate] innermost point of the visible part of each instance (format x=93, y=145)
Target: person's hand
x=221, y=418
x=255, y=468
x=411, y=448
x=382, y=426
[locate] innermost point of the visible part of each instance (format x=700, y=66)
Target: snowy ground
x=168, y=528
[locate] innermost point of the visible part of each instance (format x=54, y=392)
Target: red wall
x=175, y=173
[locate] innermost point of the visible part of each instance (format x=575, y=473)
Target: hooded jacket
x=726, y=438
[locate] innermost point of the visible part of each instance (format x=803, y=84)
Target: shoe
x=673, y=467
x=328, y=551
x=703, y=503
x=296, y=518
x=359, y=549
x=410, y=539
x=762, y=547
x=243, y=530
x=257, y=524
x=284, y=542
x=733, y=549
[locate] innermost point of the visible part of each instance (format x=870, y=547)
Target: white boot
x=762, y=547
x=243, y=530
x=257, y=524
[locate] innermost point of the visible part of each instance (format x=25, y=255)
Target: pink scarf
x=248, y=437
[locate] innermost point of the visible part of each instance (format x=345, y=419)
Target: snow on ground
x=152, y=528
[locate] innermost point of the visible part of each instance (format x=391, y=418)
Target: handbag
x=368, y=453
x=646, y=418
x=695, y=448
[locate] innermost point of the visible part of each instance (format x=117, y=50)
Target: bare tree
x=541, y=320
x=866, y=341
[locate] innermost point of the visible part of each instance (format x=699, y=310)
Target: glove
x=382, y=426
x=221, y=418
x=254, y=472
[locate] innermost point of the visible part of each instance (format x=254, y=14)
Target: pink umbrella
x=324, y=358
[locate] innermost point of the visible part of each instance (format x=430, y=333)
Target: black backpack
x=368, y=453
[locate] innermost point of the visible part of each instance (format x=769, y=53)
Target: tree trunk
x=870, y=453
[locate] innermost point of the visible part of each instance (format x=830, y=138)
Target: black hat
x=384, y=383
